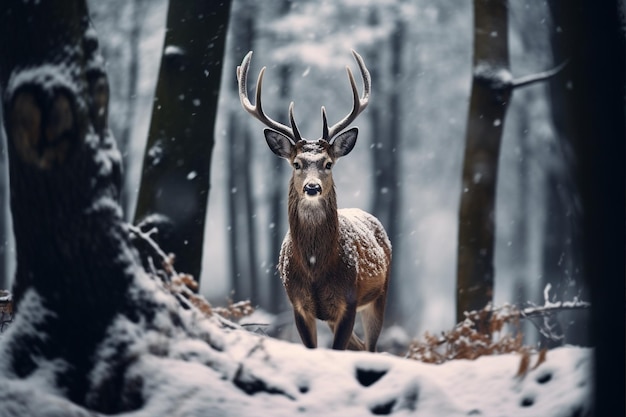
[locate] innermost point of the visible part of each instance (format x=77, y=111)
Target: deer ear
x=344, y=143
x=278, y=143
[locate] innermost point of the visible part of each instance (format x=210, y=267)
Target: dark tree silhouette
x=563, y=247
x=594, y=109
x=4, y=232
x=72, y=248
x=175, y=179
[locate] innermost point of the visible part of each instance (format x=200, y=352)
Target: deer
x=333, y=262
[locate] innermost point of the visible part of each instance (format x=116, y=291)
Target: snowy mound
x=237, y=373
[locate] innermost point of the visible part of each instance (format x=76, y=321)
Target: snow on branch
x=550, y=307
x=541, y=76
x=167, y=261
x=500, y=78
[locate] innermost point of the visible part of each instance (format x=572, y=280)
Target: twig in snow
x=167, y=261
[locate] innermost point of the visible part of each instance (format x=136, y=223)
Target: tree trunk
x=278, y=193
x=521, y=258
x=488, y=103
x=88, y=317
x=594, y=102
x=237, y=273
x=4, y=232
x=73, y=251
x=278, y=202
x=241, y=207
x=564, y=256
x=177, y=161
x=386, y=157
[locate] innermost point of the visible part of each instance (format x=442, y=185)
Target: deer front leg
x=343, y=327
x=305, y=323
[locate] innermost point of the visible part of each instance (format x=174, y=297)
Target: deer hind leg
x=354, y=343
x=372, y=318
x=342, y=328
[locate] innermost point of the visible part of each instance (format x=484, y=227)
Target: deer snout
x=312, y=188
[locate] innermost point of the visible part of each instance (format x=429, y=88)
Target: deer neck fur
x=314, y=229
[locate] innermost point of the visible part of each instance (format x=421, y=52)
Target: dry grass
x=484, y=332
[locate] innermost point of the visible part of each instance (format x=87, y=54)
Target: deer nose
x=312, y=188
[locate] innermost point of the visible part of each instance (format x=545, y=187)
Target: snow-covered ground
x=285, y=379
x=232, y=372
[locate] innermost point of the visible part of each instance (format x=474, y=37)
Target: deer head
x=312, y=160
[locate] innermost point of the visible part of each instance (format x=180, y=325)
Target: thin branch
x=554, y=308
x=145, y=236
x=541, y=76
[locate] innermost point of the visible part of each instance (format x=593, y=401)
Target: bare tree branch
x=552, y=308
x=541, y=76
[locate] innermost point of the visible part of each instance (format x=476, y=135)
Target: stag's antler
x=257, y=110
x=328, y=134
x=359, y=104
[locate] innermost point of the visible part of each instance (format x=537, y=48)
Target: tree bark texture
x=73, y=251
x=489, y=99
x=175, y=179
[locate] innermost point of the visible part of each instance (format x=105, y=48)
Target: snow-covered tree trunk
x=73, y=252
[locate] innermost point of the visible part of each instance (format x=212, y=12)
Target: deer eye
x=296, y=165
x=329, y=165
